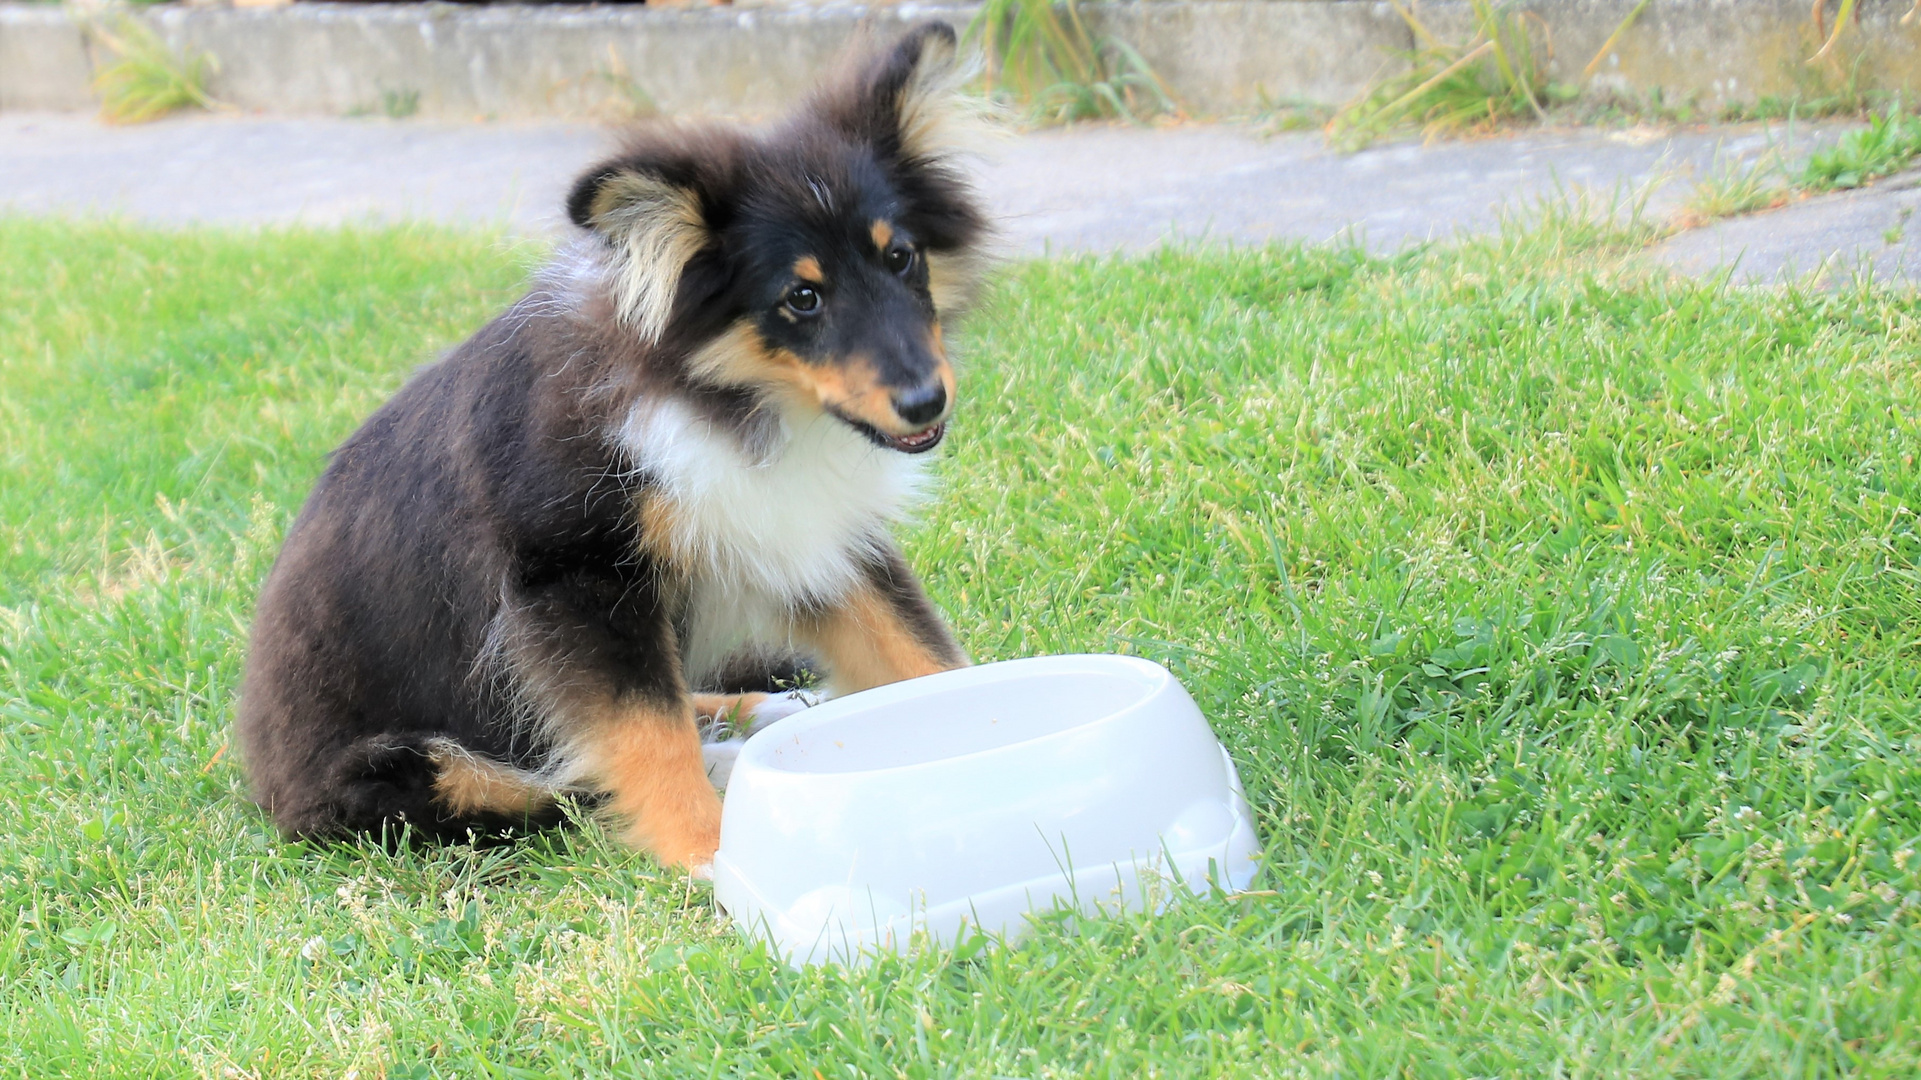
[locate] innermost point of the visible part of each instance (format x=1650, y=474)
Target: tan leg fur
x=649, y=761
x=865, y=643
x=735, y=708
x=467, y=783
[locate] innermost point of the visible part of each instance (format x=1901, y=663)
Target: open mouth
x=918, y=443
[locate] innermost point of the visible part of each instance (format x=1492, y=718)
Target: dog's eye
x=804, y=299
x=900, y=260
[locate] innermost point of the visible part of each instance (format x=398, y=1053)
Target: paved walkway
x=1084, y=189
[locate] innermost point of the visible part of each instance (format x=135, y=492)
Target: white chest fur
x=759, y=535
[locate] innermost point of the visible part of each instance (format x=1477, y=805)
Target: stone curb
x=1219, y=57
x=1718, y=52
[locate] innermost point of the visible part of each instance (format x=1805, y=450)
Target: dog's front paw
x=719, y=759
x=690, y=850
x=719, y=754
x=779, y=707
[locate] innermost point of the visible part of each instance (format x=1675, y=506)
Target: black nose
x=922, y=405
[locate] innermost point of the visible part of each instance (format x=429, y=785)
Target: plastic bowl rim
x=753, y=757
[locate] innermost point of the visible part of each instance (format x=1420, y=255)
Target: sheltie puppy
x=536, y=569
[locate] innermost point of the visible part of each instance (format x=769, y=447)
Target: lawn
x=1565, y=623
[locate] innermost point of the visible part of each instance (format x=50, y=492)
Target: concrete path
x=1833, y=238
x=1084, y=189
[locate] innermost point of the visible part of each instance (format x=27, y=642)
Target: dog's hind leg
x=382, y=784
x=470, y=784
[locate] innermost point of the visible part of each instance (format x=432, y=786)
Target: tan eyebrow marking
x=882, y=233
x=807, y=268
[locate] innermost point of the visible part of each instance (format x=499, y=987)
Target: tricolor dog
x=641, y=492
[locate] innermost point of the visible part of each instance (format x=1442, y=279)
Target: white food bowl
x=968, y=798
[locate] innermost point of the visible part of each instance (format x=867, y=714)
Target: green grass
x=1734, y=187
x=1564, y=624
x=1887, y=145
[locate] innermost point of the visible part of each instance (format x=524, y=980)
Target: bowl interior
x=952, y=720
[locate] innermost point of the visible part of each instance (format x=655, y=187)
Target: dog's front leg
x=598, y=655
x=647, y=756
x=881, y=631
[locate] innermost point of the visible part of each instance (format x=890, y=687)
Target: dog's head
x=811, y=265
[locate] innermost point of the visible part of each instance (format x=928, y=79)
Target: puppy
x=678, y=455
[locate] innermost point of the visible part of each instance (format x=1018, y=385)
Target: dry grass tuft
x=1498, y=76
x=149, y=80
x=1048, y=60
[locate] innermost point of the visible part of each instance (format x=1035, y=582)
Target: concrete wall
x=514, y=61
x=1218, y=56
x=43, y=61
x=1235, y=56
x=1717, y=51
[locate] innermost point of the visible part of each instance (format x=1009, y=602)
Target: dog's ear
x=652, y=205
x=901, y=101
x=904, y=103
